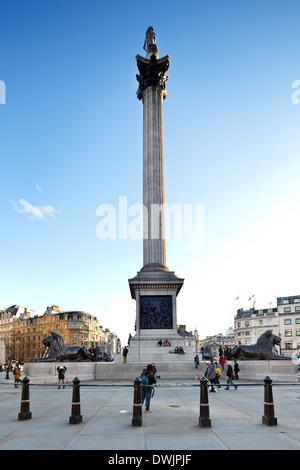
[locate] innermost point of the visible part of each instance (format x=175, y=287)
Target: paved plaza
x=236, y=418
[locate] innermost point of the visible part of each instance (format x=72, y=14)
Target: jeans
x=146, y=394
x=229, y=382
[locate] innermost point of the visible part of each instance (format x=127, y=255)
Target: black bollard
x=137, y=418
x=269, y=419
x=7, y=373
x=75, y=417
x=25, y=412
x=204, y=419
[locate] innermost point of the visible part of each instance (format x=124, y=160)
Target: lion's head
x=267, y=341
x=54, y=344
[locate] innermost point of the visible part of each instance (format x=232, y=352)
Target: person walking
x=218, y=374
x=211, y=375
x=61, y=375
x=125, y=352
x=236, y=370
x=17, y=374
x=196, y=361
x=229, y=376
x=147, y=389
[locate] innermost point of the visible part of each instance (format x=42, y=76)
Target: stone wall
x=279, y=371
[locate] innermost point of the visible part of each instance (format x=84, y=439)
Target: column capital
x=152, y=73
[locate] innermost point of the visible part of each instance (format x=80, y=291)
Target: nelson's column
x=155, y=287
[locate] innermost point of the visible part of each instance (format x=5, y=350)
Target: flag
x=251, y=297
x=270, y=303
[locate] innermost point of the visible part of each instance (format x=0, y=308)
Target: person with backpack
x=148, y=379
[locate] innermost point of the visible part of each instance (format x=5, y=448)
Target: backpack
x=144, y=379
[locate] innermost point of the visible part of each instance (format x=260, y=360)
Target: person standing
x=196, y=361
x=229, y=376
x=147, y=389
x=125, y=352
x=17, y=374
x=222, y=361
x=211, y=374
x=61, y=375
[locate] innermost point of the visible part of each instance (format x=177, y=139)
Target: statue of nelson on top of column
x=152, y=69
x=150, y=39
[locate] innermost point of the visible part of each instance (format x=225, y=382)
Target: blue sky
x=71, y=139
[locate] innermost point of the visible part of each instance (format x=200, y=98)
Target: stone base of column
x=155, y=289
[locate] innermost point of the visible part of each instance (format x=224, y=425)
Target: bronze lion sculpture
x=57, y=350
x=264, y=349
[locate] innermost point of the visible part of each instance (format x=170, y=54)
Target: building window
x=289, y=345
x=296, y=300
x=297, y=332
x=75, y=325
x=288, y=333
x=287, y=321
x=74, y=335
x=287, y=309
x=286, y=301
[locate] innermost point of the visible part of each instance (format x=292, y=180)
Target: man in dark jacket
x=147, y=388
x=125, y=352
x=229, y=376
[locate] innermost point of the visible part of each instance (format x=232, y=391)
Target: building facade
x=289, y=323
x=250, y=324
x=284, y=321
x=219, y=340
x=23, y=334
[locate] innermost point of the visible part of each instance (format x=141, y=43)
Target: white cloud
x=37, y=186
x=36, y=212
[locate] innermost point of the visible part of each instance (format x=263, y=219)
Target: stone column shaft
x=154, y=249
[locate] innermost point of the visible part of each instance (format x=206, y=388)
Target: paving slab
x=236, y=419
